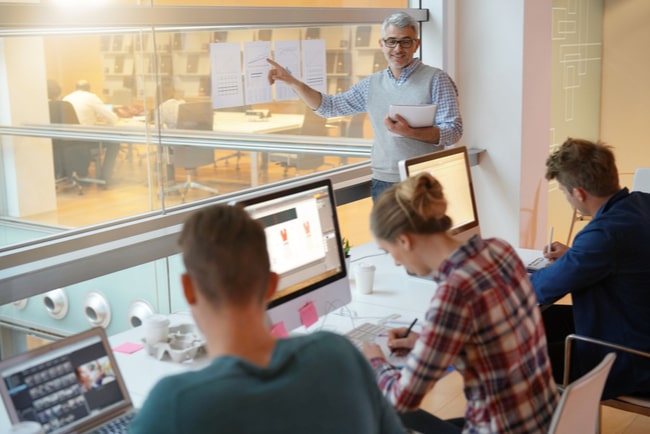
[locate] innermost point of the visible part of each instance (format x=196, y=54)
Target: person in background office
x=406, y=81
x=91, y=110
x=317, y=383
x=168, y=109
x=71, y=158
x=483, y=320
x=606, y=269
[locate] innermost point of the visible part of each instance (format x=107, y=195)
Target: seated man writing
x=318, y=383
x=606, y=270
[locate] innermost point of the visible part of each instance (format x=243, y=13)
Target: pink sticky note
x=279, y=330
x=308, y=314
x=128, y=348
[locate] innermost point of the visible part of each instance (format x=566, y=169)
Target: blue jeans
x=377, y=187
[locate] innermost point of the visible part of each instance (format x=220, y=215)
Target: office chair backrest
x=196, y=116
x=313, y=125
x=356, y=125
x=641, y=180
x=578, y=410
x=62, y=112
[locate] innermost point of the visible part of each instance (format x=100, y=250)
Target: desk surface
x=396, y=299
x=237, y=122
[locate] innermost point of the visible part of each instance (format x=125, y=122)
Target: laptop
x=71, y=385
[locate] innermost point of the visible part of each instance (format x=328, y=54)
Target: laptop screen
x=66, y=386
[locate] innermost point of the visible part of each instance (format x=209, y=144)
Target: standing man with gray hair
x=406, y=81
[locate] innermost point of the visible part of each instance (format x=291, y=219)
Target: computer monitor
x=451, y=168
x=196, y=115
x=304, y=244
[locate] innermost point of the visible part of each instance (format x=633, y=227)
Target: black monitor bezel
x=408, y=162
x=302, y=188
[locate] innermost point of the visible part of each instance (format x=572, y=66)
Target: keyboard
x=365, y=332
x=119, y=425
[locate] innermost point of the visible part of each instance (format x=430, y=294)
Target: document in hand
x=417, y=116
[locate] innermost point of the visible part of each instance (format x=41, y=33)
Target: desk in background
x=239, y=123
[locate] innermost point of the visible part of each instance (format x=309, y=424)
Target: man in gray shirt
x=406, y=81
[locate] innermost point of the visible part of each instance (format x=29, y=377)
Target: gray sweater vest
x=387, y=149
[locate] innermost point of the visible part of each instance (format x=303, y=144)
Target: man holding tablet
x=406, y=81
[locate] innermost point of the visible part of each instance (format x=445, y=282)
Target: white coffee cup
x=156, y=329
x=365, y=278
x=27, y=427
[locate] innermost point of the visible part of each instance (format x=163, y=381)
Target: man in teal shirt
x=318, y=383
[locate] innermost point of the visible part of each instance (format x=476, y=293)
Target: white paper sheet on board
x=287, y=54
x=225, y=62
x=256, y=84
x=314, y=68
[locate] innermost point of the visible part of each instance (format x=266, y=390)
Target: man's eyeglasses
x=404, y=43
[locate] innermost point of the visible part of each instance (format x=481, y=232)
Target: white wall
x=27, y=161
x=625, y=106
x=502, y=70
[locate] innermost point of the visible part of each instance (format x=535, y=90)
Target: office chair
x=579, y=407
x=641, y=181
x=312, y=125
x=356, y=125
x=633, y=404
x=193, y=116
x=355, y=128
x=72, y=158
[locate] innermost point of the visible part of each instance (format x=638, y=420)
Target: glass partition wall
x=90, y=210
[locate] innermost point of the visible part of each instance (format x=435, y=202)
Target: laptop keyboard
x=116, y=426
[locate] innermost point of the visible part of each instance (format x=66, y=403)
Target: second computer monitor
x=451, y=168
x=304, y=244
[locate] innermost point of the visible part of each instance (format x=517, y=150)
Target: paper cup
x=365, y=278
x=156, y=329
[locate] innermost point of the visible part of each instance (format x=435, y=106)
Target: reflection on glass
x=123, y=92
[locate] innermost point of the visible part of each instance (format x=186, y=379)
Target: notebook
x=71, y=385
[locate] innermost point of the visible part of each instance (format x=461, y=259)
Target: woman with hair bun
x=483, y=320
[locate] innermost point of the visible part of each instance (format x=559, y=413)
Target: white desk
x=240, y=123
x=397, y=298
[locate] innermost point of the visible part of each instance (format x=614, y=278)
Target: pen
x=408, y=331
x=550, y=239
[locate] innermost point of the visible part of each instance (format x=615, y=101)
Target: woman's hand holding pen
x=401, y=340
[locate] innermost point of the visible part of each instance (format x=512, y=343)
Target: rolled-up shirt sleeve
x=448, y=119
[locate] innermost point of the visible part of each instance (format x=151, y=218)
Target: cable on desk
x=368, y=256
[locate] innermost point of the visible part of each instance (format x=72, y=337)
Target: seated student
x=317, y=383
x=483, y=320
x=606, y=270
